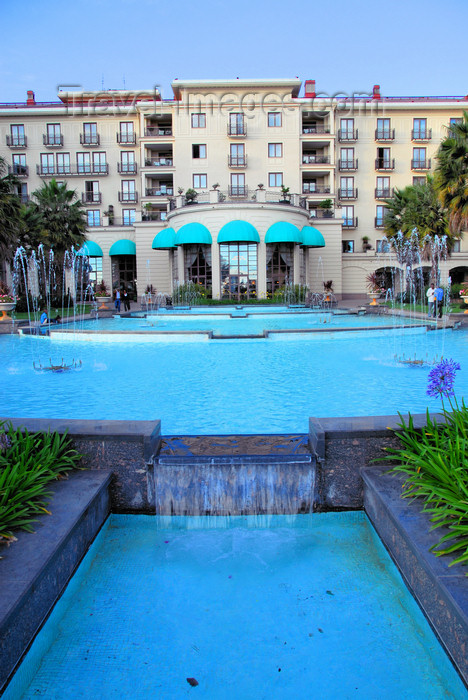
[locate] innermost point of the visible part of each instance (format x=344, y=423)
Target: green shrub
x=28, y=463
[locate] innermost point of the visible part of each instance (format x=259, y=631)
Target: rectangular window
x=309, y=186
x=347, y=246
x=238, y=188
x=237, y=155
x=456, y=247
x=383, y=129
x=126, y=133
x=94, y=217
x=346, y=129
x=63, y=164
x=128, y=193
x=198, y=150
x=346, y=187
x=418, y=180
x=275, y=179
x=199, y=120
x=99, y=162
x=92, y=194
x=127, y=162
x=383, y=187
x=380, y=215
x=19, y=164
x=274, y=119
x=22, y=192
x=83, y=163
x=128, y=217
x=199, y=181
x=47, y=164
x=18, y=138
x=347, y=158
x=419, y=157
x=348, y=215
x=275, y=150
x=383, y=158
x=236, y=124
x=90, y=135
x=54, y=137
x=382, y=246
x=419, y=128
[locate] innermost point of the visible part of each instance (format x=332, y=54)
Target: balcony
x=16, y=141
x=378, y=222
x=52, y=140
x=128, y=197
x=421, y=164
x=18, y=170
x=157, y=131
x=312, y=188
x=347, y=193
x=126, y=139
x=90, y=140
x=348, y=135
x=421, y=134
x=79, y=171
x=315, y=129
x=91, y=197
x=159, y=162
x=237, y=161
x=237, y=129
x=383, y=193
x=350, y=222
x=127, y=168
x=349, y=165
x=385, y=134
x=312, y=159
x=385, y=164
x=238, y=191
x=154, y=215
x=161, y=191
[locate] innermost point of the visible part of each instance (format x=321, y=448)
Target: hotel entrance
x=239, y=271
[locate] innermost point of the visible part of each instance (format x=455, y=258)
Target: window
x=383, y=161
x=346, y=187
x=420, y=128
x=453, y=121
x=347, y=158
x=274, y=119
x=383, y=187
x=236, y=124
x=99, y=162
x=94, y=217
x=83, y=162
x=128, y=193
x=128, y=217
x=275, y=179
x=383, y=129
x=54, y=137
x=347, y=246
x=280, y=266
x=63, y=164
x=418, y=180
x=127, y=162
x=419, y=158
x=309, y=186
x=199, y=181
x=90, y=135
x=346, y=130
x=19, y=164
x=126, y=134
x=238, y=188
x=94, y=270
x=22, y=192
x=382, y=246
x=198, y=120
x=238, y=270
x=348, y=215
x=456, y=247
x=47, y=164
x=275, y=150
x=237, y=155
x=92, y=194
x=198, y=150
x=17, y=135
x=197, y=264
x=380, y=215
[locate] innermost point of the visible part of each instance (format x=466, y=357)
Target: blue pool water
x=251, y=607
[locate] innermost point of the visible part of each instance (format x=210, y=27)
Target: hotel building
x=240, y=185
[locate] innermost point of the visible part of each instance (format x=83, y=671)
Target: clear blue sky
x=409, y=47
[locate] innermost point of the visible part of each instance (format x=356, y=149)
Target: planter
x=8, y=306
x=373, y=296
x=465, y=299
x=103, y=301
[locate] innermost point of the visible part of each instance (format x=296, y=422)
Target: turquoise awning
x=92, y=249
x=123, y=247
x=164, y=240
x=238, y=232
x=193, y=234
x=283, y=232
x=312, y=238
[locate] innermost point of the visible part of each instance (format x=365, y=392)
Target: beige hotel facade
x=131, y=156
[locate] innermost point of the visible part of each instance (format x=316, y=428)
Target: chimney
x=31, y=98
x=376, y=93
x=309, y=88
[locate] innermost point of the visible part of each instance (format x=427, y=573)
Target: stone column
x=215, y=271
x=261, y=269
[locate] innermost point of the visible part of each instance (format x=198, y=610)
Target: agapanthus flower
x=5, y=442
x=442, y=378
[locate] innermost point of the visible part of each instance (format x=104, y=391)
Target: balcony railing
x=385, y=134
x=154, y=216
x=160, y=162
x=312, y=159
x=384, y=164
x=347, y=193
x=90, y=139
x=421, y=164
x=128, y=197
x=350, y=164
x=315, y=129
x=91, y=197
x=383, y=193
x=350, y=222
x=125, y=139
x=378, y=222
x=16, y=141
x=322, y=214
x=348, y=134
x=52, y=140
x=18, y=170
x=153, y=131
x=80, y=170
x=312, y=188
x=127, y=168
x=421, y=134
x=237, y=161
x=238, y=191
x=237, y=129
x=159, y=191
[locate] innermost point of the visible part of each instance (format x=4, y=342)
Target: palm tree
x=452, y=174
x=11, y=225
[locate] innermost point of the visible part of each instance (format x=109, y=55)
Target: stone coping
x=35, y=569
x=441, y=590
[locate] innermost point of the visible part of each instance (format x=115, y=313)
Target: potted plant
x=7, y=302
x=463, y=295
x=180, y=190
x=261, y=186
x=365, y=244
x=374, y=287
x=327, y=206
x=215, y=186
x=286, y=196
x=102, y=294
x=148, y=209
x=190, y=196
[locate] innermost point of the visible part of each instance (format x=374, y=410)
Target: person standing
x=126, y=300
x=430, y=299
x=117, y=299
x=439, y=301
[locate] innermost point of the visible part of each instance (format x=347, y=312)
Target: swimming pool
x=249, y=607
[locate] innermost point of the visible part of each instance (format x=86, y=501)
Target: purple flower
x=442, y=379
x=5, y=442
